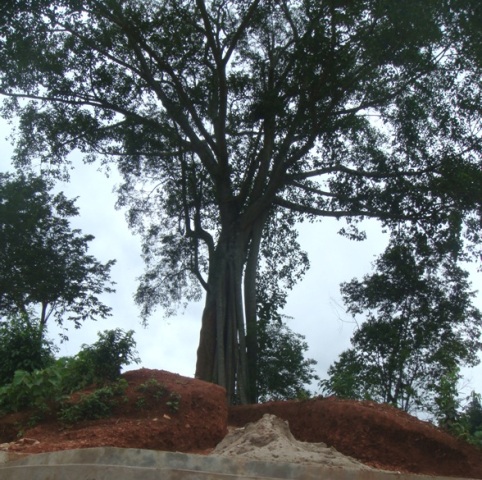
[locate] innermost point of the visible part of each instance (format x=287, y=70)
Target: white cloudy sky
x=170, y=344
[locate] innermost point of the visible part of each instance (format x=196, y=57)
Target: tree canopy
x=44, y=263
x=232, y=120
x=419, y=327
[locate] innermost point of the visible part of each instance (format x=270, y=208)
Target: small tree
x=104, y=359
x=23, y=346
x=283, y=370
x=473, y=415
x=44, y=263
x=420, y=327
x=446, y=399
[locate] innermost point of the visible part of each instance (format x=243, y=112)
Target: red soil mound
x=197, y=419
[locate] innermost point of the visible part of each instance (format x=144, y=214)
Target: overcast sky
x=171, y=343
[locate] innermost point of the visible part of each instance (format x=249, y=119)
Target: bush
x=103, y=360
x=469, y=422
x=23, y=346
x=98, y=404
x=100, y=362
x=45, y=389
x=40, y=390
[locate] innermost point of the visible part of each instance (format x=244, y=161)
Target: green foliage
x=345, y=375
x=23, y=346
x=291, y=110
x=420, y=328
x=43, y=261
x=103, y=360
x=468, y=422
x=174, y=402
x=153, y=392
x=473, y=415
x=96, y=405
x=43, y=390
x=153, y=389
x=40, y=390
x=283, y=371
x=446, y=402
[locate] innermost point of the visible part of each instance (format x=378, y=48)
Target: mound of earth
x=378, y=435
x=198, y=419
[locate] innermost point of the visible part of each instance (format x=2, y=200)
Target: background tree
x=420, y=326
x=283, y=371
x=224, y=116
x=471, y=417
x=44, y=264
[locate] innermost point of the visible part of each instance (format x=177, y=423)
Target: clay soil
x=377, y=435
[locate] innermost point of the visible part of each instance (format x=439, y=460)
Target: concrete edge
x=110, y=459
x=111, y=472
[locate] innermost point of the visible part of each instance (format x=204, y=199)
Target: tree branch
x=382, y=215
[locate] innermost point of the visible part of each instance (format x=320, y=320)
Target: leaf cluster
x=340, y=109
x=102, y=361
x=283, y=372
x=44, y=262
x=419, y=326
x=45, y=390
x=23, y=346
x=95, y=405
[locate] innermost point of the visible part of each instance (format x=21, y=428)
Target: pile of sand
x=270, y=440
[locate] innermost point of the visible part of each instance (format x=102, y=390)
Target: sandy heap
x=271, y=440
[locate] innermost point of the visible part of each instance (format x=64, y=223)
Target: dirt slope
x=377, y=435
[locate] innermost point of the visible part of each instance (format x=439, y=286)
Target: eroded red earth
x=377, y=435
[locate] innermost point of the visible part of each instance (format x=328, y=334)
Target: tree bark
x=250, y=304
x=223, y=352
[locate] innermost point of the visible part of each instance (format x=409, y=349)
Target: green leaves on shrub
x=103, y=360
x=40, y=390
x=23, y=346
x=153, y=389
x=154, y=392
x=45, y=389
x=98, y=404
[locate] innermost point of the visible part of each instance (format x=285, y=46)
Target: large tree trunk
x=250, y=304
x=224, y=356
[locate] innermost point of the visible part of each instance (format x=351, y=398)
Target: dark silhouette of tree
x=232, y=120
x=44, y=265
x=420, y=326
x=283, y=371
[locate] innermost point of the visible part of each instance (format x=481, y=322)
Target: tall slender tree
x=45, y=269
x=231, y=120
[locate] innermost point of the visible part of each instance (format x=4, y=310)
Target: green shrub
x=152, y=388
x=468, y=425
x=23, y=346
x=174, y=402
x=40, y=390
x=43, y=389
x=103, y=360
x=96, y=405
x=100, y=362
